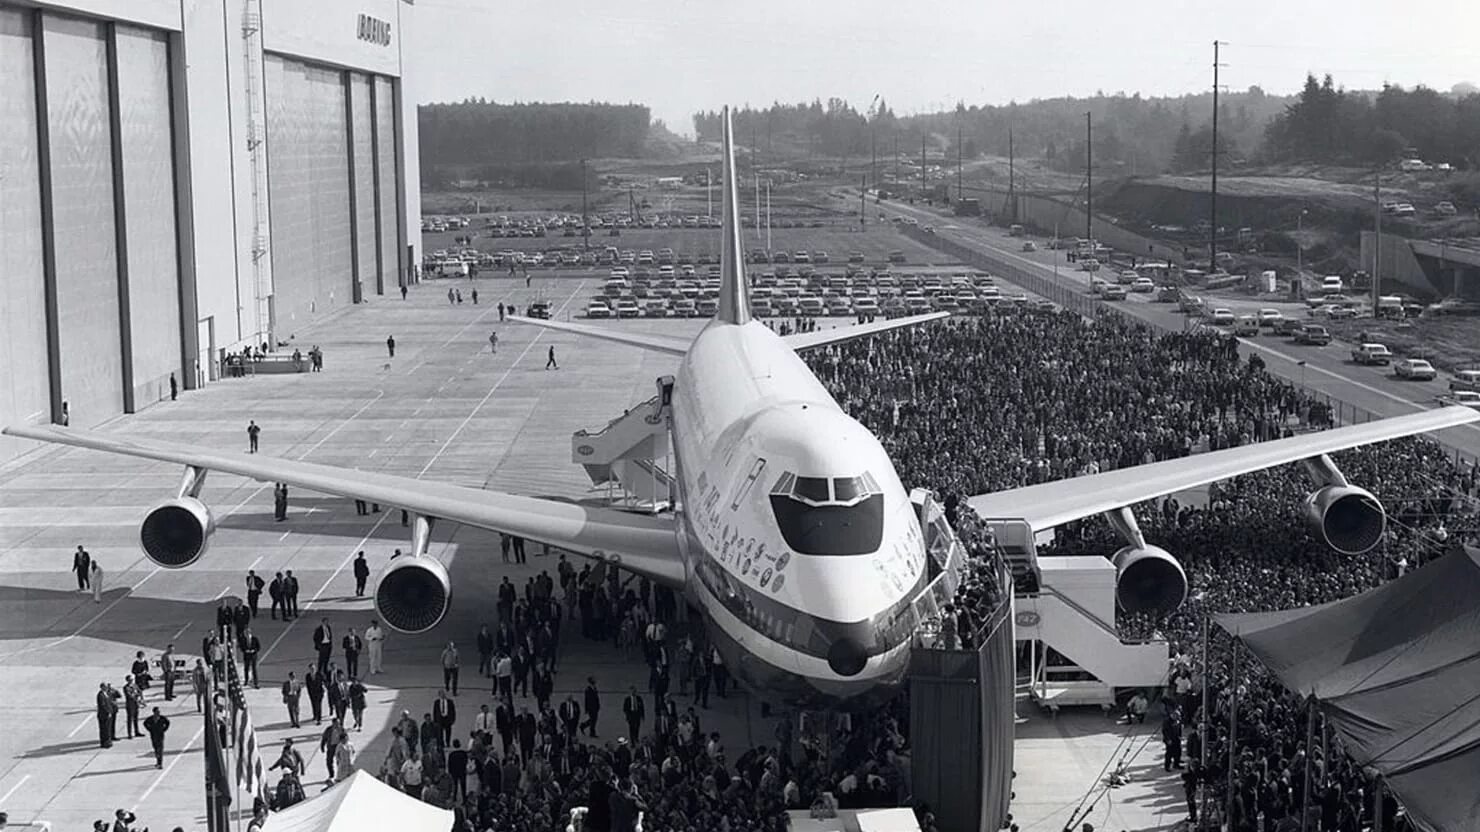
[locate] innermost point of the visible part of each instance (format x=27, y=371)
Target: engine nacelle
x=1348, y=518
x=413, y=594
x=1148, y=579
x=176, y=534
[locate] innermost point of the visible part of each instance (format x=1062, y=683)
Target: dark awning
x=1396, y=671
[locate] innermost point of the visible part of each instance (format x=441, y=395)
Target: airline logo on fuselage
x=373, y=30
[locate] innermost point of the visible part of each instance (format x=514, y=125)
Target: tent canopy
x=1396, y=671
x=359, y=803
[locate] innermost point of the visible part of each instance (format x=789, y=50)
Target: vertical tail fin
x=734, y=294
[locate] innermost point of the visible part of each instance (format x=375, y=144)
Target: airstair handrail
x=1095, y=619
x=613, y=423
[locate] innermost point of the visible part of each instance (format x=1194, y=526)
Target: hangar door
x=308, y=191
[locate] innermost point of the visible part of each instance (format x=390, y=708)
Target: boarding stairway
x=1064, y=617
x=622, y=457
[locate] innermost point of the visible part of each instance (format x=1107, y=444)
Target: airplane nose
x=847, y=656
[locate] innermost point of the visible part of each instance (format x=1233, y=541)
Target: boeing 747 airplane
x=790, y=530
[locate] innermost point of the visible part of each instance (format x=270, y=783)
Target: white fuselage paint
x=745, y=410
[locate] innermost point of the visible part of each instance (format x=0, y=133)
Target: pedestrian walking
x=390, y=345
x=444, y=715
x=174, y=388
x=634, y=710
x=314, y=684
x=550, y=362
x=82, y=565
x=357, y=702
x=403, y=292
x=362, y=571
x=485, y=651
x=280, y=501
x=254, y=591
x=275, y=591
x=290, y=585
x=353, y=645
x=323, y=644
x=375, y=640
x=493, y=340
x=329, y=744
x=475, y=296
x=157, y=724
x=253, y=434
x=500, y=310
x=292, y=697
x=593, y=706
x=450, y=297
x=450, y=665
x=95, y=581
x=198, y=684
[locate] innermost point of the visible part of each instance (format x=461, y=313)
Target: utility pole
x=708, y=192
x=923, y=191
x=585, y=222
x=1011, y=178
x=757, y=205
x=1089, y=183
x=768, y=215
x=1213, y=204
x=863, y=204
x=896, y=160
x=1377, y=239
x=959, y=158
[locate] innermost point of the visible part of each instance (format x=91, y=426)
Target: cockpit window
x=820, y=516
x=812, y=488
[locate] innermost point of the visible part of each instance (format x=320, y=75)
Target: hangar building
x=180, y=178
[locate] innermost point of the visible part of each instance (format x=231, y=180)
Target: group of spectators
x=997, y=402
x=963, y=407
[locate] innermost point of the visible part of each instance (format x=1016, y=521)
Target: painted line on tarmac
x=17, y=785
x=494, y=388
x=284, y=536
x=184, y=752
x=73, y=732
x=181, y=631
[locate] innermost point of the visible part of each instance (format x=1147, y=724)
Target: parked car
x=1029, y=245
x=1372, y=354
x=1143, y=285
x=598, y=309
x=1112, y=291
x=1270, y=317
x=1246, y=326
x=628, y=308
x=1222, y=317
x=1415, y=369
x=1465, y=380
x=1313, y=335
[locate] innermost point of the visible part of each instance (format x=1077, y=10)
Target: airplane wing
x=644, y=544
x=1050, y=504
x=822, y=337
x=642, y=340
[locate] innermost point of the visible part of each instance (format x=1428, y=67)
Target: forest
x=475, y=132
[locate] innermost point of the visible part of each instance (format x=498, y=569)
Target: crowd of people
x=993, y=403
x=963, y=407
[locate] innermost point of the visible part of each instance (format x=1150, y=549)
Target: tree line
x=1328, y=124
x=479, y=132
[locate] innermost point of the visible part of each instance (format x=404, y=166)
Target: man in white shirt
x=411, y=775
x=375, y=638
x=483, y=721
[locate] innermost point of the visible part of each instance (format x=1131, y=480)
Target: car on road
x=1247, y=326
x=1415, y=369
x=1463, y=398
x=1143, y=285
x=1465, y=380
x=1286, y=326
x=598, y=309
x=539, y=309
x=1313, y=335
x=1270, y=317
x=1127, y=277
x=1222, y=317
x=1089, y=264
x=1030, y=246
x=1112, y=291
x=1372, y=354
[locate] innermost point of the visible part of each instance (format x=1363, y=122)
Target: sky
x=679, y=56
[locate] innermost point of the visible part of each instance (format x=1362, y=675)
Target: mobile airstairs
x=624, y=456
x=1064, y=616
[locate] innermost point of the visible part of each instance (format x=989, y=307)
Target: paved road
x=1358, y=392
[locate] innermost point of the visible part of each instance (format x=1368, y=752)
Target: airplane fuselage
x=802, y=546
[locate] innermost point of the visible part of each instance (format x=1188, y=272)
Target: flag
x=216, y=779
x=249, y=766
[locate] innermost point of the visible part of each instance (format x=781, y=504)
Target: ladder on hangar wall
x=260, y=235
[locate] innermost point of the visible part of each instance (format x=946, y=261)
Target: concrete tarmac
x=445, y=408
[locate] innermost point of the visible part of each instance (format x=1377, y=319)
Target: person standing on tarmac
x=362, y=574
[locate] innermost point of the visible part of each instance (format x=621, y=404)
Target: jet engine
x=413, y=593
x=1148, y=579
x=1348, y=518
x=176, y=534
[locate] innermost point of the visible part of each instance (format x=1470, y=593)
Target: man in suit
x=593, y=705
x=570, y=716
x=167, y=671
x=254, y=590
x=323, y=643
x=503, y=720
x=292, y=697
x=157, y=724
x=353, y=644
x=107, y=708
x=362, y=573
x=290, y=595
x=82, y=565
x=276, y=591
x=528, y=728
x=634, y=710
x=133, y=699
x=444, y=714
x=314, y=682
x=251, y=646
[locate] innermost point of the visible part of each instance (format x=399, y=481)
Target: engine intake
x=176, y=534
x=1148, y=579
x=1348, y=518
x=413, y=594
